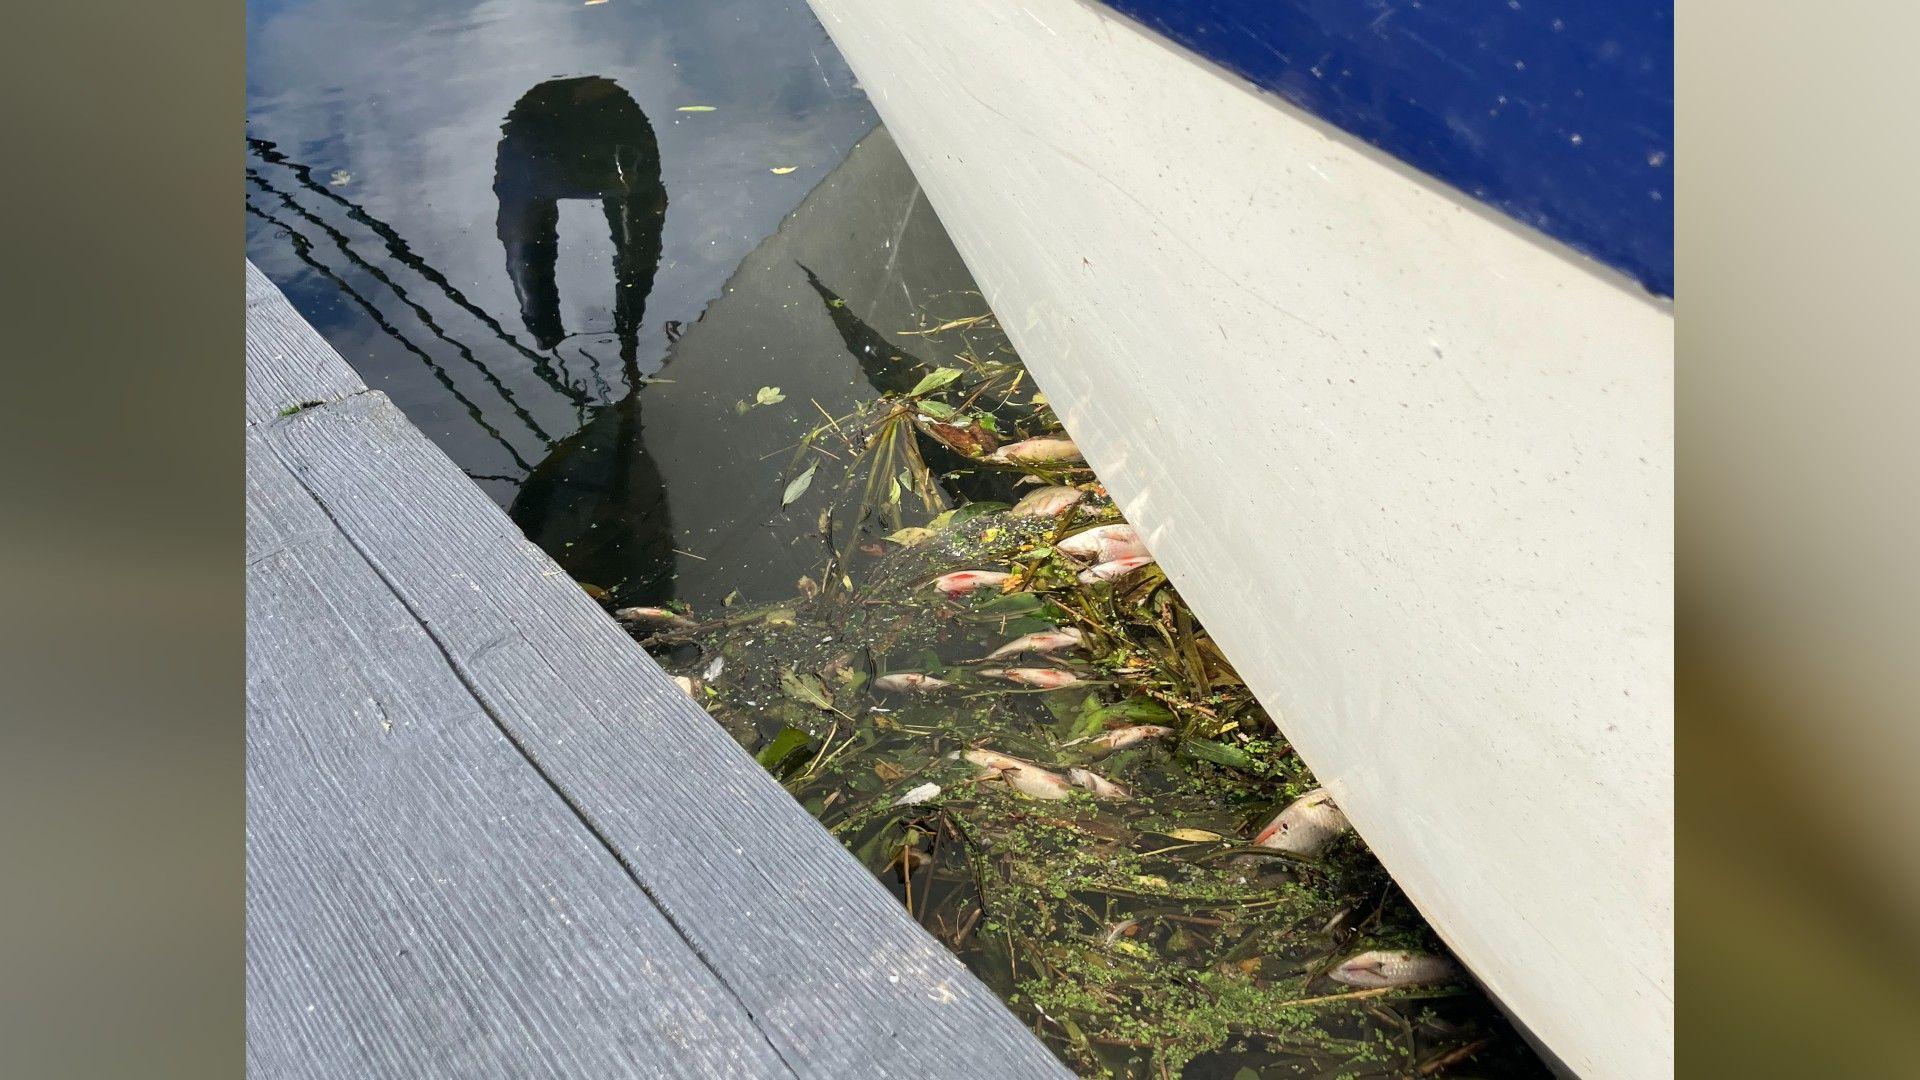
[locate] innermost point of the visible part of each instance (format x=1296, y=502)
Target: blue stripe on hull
x=1558, y=113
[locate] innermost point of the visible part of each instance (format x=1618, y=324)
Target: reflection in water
x=707, y=458
x=598, y=498
x=579, y=139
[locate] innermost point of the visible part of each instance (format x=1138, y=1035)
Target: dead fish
x=652, y=616
x=1024, y=777
x=1384, y=968
x=918, y=795
x=992, y=759
x=962, y=582
x=1103, y=544
x=1046, y=502
x=1306, y=826
x=689, y=687
x=1045, y=450
x=1044, y=641
x=1044, y=678
x=909, y=682
x=1121, y=738
x=1118, y=568
x=1100, y=786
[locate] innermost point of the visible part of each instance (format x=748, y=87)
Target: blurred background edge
x=1800, y=872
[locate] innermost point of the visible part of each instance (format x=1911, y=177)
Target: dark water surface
x=503, y=218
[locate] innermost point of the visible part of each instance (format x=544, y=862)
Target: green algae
x=1139, y=937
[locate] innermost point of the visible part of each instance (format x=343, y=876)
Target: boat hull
x=1410, y=462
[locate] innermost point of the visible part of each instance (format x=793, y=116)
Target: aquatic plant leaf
x=768, y=395
x=909, y=536
x=1216, y=753
x=807, y=688
x=934, y=380
x=973, y=510
x=939, y=410
x=1020, y=603
x=799, y=485
x=1137, y=711
x=785, y=745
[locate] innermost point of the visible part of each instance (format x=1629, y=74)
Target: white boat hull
x=1411, y=464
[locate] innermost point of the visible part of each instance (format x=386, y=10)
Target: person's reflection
x=596, y=503
x=579, y=139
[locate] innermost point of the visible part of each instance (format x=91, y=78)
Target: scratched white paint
x=1413, y=467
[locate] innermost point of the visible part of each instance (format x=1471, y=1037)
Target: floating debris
x=921, y=794
x=1306, y=826
x=782, y=170
x=1389, y=968
x=339, y=178
x=1089, y=868
x=972, y=439
x=688, y=686
x=653, y=616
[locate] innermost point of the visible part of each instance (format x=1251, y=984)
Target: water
x=636, y=268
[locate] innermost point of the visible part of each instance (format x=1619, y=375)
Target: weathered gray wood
x=828, y=963
x=420, y=901
x=835, y=976
x=288, y=364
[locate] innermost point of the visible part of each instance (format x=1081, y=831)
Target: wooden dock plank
x=420, y=901
x=836, y=978
x=288, y=364
x=828, y=963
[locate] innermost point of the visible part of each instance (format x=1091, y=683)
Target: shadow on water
x=579, y=138
x=597, y=498
x=689, y=460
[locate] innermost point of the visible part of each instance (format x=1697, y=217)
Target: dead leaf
x=778, y=170
x=1199, y=836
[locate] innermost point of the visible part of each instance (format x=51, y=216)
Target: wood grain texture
x=442, y=896
x=420, y=902
x=288, y=363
